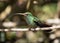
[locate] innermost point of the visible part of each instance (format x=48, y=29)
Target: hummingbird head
x=27, y=13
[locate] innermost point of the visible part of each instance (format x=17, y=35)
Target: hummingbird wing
x=40, y=24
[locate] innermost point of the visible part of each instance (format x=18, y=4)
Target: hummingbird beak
x=24, y=14
x=20, y=14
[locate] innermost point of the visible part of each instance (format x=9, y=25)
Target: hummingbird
x=33, y=21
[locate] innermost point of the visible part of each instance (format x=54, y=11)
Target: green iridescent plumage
x=30, y=19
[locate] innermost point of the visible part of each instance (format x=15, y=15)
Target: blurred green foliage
x=46, y=11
